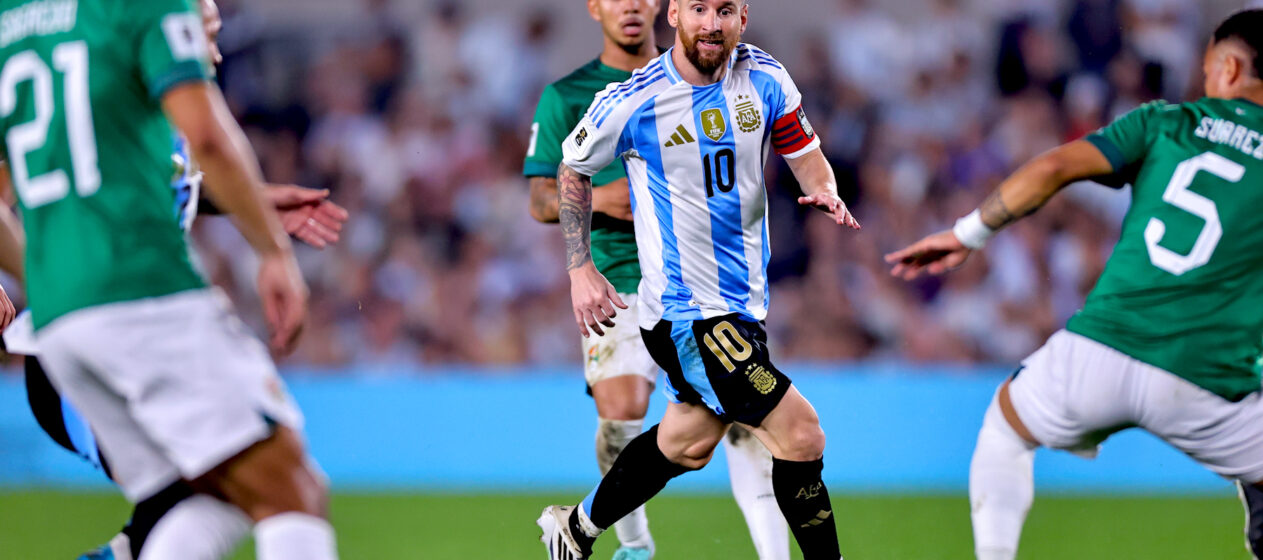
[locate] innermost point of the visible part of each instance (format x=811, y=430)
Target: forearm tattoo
x=574, y=195
x=994, y=212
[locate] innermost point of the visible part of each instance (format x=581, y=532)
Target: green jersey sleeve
x=1126, y=140
x=551, y=126
x=172, y=44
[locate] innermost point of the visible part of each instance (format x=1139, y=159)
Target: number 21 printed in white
x=71, y=59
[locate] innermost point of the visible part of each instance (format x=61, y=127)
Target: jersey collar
x=673, y=75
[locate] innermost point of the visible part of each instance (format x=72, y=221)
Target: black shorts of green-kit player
x=721, y=363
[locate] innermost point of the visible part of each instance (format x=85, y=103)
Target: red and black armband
x=791, y=133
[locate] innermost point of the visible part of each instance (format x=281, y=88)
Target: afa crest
x=762, y=379
x=748, y=117
x=713, y=124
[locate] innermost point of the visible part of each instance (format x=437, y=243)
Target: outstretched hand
x=594, y=300
x=935, y=254
x=307, y=214
x=830, y=204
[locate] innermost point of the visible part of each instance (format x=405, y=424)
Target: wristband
x=971, y=232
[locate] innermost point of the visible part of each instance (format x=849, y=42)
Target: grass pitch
x=59, y=526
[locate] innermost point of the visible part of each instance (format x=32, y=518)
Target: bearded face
x=708, y=30
x=708, y=52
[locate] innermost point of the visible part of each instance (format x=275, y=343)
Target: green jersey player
x=619, y=371
x=129, y=333
x=1171, y=337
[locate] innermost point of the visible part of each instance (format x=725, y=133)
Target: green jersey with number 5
x=1183, y=290
x=89, y=147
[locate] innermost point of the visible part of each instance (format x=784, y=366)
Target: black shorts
x=721, y=363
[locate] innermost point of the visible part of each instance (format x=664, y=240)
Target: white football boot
x=561, y=545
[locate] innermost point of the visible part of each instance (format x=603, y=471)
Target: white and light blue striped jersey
x=694, y=157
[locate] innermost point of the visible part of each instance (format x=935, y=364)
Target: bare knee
x=803, y=442
x=689, y=454
x=271, y=477
x=625, y=397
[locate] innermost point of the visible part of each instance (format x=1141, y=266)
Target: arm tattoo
x=544, y=199
x=575, y=213
x=994, y=212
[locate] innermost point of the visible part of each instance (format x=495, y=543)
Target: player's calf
x=792, y=433
x=275, y=485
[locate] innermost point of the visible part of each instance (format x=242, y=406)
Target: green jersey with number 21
x=1183, y=290
x=89, y=147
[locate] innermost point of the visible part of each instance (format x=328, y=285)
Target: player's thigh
x=271, y=476
x=619, y=370
x=625, y=397
x=792, y=430
x=689, y=432
x=1073, y=393
x=1225, y=436
x=138, y=464
x=722, y=363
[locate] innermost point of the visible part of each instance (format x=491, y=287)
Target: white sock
x=750, y=471
x=294, y=536
x=1001, y=486
x=611, y=437
x=198, y=528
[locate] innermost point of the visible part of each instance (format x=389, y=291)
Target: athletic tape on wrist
x=971, y=231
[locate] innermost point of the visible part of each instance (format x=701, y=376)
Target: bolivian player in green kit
x=619, y=371
x=174, y=388
x=1170, y=339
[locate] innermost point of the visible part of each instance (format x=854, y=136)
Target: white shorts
x=172, y=386
x=1075, y=392
x=620, y=351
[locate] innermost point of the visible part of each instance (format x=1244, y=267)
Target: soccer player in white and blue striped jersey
x=694, y=129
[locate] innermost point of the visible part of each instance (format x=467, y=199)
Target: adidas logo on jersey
x=680, y=137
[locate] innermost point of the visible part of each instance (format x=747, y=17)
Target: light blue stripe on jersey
x=726, y=223
x=675, y=301
x=651, y=75
x=611, y=98
x=80, y=434
x=691, y=364
x=673, y=75
x=762, y=56
x=773, y=96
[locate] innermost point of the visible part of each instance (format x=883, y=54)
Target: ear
x=745, y=16
x=592, y=10
x=673, y=13
x=1234, y=69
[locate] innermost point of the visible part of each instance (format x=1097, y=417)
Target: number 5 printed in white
x=1178, y=195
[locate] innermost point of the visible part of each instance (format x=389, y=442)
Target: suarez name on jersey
x=1184, y=284
x=694, y=157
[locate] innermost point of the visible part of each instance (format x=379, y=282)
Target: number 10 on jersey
x=720, y=171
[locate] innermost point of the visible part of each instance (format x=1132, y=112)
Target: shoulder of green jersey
x=185, y=37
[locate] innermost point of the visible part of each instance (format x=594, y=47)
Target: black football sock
x=640, y=472
x=1252, y=496
x=805, y=503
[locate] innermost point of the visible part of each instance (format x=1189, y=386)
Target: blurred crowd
x=419, y=129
